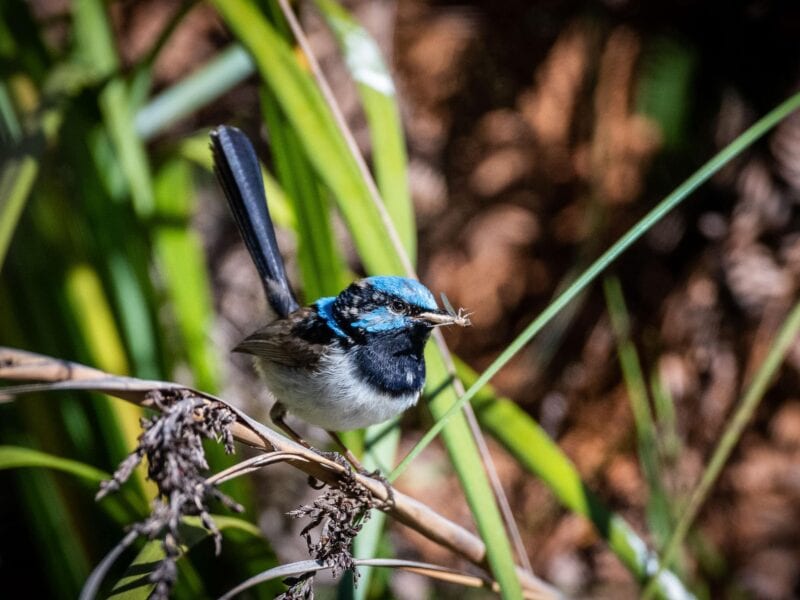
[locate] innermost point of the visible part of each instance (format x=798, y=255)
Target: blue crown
x=409, y=290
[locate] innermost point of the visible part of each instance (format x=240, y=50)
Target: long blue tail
x=236, y=166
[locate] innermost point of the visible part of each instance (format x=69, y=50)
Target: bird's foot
x=336, y=457
x=350, y=469
x=378, y=476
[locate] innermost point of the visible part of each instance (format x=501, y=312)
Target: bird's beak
x=437, y=318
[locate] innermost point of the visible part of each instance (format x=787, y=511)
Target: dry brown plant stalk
x=56, y=374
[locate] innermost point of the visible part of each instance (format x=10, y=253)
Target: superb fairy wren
x=344, y=362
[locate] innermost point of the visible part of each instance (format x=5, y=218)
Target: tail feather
x=237, y=169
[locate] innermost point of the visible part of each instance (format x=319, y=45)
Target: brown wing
x=298, y=341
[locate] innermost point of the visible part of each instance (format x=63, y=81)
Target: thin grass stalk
x=699, y=177
x=427, y=569
x=669, y=440
x=657, y=505
x=339, y=119
x=787, y=334
x=535, y=451
x=376, y=89
x=496, y=548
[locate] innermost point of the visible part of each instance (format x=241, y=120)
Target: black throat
x=392, y=361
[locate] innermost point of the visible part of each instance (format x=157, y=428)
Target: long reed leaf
x=179, y=253
x=15, y=457
x=322, y=266
x=700, y=176
x=95, y=47
x=306, y=110
x=232, y=66
x=787, y=334
x=328, y=152
x=657, y=504
x=376, y=89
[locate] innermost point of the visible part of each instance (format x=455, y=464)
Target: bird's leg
x=351, y=458
x=278, y=413
x=376, y=474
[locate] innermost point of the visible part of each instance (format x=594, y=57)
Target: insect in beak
x=437, y=318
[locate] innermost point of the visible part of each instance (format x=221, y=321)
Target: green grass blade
x=670, y=443
x=15, y=457
x=324, y=145
x=92, y=313
x=657, y=505
x=135, y=583
x=665, y=87
x=19, y=173
x=377, y=92
x=132, y=156
x=232, y=66
x=95, y=47
x=535, y=451
x=179, y=252
x=62, y=557
x=654, y=216
x=16, y=180
x=380, y=449
x=93, y=38
x=322, y=266
x=755, y=391
x=122, y=507
x=466, y=461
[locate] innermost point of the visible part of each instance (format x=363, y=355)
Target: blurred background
x=536, y=135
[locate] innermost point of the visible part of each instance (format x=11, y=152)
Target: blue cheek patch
x=410, y=290
x=381, y=319
x=324, y=308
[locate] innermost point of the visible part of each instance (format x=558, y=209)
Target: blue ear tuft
x=410, y=290
x=324, y=307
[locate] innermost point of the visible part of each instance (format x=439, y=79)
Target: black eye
x=397, y=307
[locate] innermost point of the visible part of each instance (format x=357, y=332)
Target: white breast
x=332, y=397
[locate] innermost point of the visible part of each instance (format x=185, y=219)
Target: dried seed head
x=172, y=441
x=337, y=516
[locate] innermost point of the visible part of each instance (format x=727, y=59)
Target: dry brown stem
x=60, y=374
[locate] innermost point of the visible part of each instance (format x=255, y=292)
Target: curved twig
x=252, y=464
x=98, y=574
x=21, y=365
x=308, y=566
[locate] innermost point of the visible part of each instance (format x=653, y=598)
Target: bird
x=343, y=362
